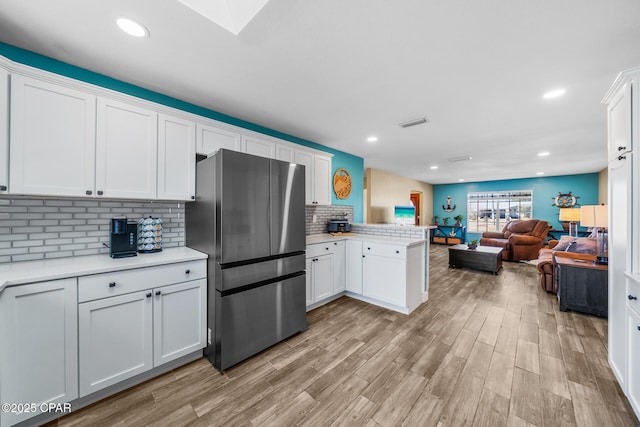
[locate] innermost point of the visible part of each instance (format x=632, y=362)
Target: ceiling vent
x=414, y=122
x=459, y=159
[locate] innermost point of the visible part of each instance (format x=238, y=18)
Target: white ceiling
x=336, y=72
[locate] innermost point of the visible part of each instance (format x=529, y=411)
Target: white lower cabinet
x=384, y=279
x=339, y=266
x=126, y=328
x=116, y=339
x=322, y=277
x=354, y=266
x=39, y=342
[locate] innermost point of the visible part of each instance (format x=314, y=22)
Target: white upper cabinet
x=126, y=150
x=52, y=139
x=259, y=147
x=210, y=139
x=317, y=176
x=4, y=131
x=176, y=158
x=619, y=119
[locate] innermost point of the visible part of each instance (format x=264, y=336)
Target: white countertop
x=20, y=273
x=326, y=237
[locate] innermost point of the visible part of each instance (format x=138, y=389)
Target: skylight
x=232, y=15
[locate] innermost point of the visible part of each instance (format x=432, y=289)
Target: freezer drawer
x=250, y=321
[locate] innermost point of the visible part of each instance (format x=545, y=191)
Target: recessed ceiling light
x=539, y=173
x=433, y=167
x=461, y=180
x=554, y=93
x=372, y=139
x=132, y=28
x=543, y=153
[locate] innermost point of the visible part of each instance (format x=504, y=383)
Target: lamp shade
x=570, y=214
x=594, y=216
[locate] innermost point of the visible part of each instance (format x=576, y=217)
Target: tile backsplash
x=324, y=214
x=37, y=228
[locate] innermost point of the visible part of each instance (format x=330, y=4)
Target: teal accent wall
x=584, y=186
x=354, y=164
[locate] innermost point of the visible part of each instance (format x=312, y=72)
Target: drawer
x=122, y=282
x=384, y=249
x=633, y=295
x=320, y=249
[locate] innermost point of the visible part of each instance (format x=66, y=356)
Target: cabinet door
x=4, y=131
x=115, y=337
x=309, y=280
x=285, y=153
x=354, y=266
x=210, y=139
x=126, y=151
x=305, y=158
x=259, y=147
x=39, y=350
x=619, y=123
x=633, y=391
x=322, y=180
x=52, y=139
x=176, y=158
x=339, y=266
x=322, y=271
x=179, y=320
x=620, y=257
x=384, y=279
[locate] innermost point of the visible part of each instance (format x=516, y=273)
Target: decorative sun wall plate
x=342, y=183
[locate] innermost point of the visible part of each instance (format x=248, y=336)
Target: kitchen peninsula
x=385, y=265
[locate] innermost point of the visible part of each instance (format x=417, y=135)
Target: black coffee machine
x=122, y=240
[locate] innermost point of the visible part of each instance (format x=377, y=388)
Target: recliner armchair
x=520, y=240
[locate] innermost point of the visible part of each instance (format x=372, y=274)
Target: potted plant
x=445, y=220
x=472, y=244
x=435, y=219
x=458, y=219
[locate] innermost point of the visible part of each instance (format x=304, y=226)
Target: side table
x=582, y=286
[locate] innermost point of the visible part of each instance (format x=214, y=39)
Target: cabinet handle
x=193, y=197
x=3, y=188
x=622, y=148
x=362, y=256
x=368, y=249
x=187, y=272
x=112, y=284
x=149, y=295
x=158, y=292
x=335, y=243
x=326, y=249
x=397, y=252
x=88, y=192
x=639, y=327
x=631, y=297
x=100, y=192
x=622, y=157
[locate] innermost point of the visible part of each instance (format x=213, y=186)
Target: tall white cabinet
x=623, y=115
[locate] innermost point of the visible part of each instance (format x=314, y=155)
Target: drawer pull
x=88, y=192
x=3, y=188
x=631, y=297
x=149, y=295
x=622, y=157
x=326, y=249
x=112, y=284
x=158, y=292
x=368, y=249
x=397, y=252
x=639, y=327
x=100, y=192
x=187, y=272
x=622, y=148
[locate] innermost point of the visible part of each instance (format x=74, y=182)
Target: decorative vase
x=472, y=246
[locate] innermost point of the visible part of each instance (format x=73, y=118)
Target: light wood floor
x=484, y=350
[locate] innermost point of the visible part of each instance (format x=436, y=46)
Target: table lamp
x=572, y=215
x=597, y=216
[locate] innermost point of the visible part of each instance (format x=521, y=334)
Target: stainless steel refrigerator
x=249, y=217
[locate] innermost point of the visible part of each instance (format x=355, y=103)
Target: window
x=491, y=210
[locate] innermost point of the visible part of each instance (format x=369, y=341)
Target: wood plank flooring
x=485, y=350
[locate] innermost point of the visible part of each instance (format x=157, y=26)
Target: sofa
x=521, y=240
x=568, y=247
